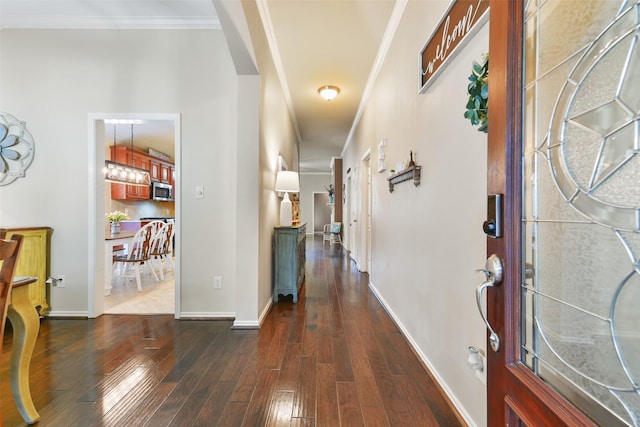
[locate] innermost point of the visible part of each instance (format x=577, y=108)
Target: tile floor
x=155, y=298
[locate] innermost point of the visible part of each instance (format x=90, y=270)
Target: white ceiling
x=317, y=42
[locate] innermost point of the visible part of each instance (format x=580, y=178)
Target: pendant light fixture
x=121, y=173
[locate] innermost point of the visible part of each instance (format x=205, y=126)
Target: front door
x=564, y=150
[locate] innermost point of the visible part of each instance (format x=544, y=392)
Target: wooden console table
x=26, y=325
x=34, y=262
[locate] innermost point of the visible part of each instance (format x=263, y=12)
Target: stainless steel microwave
x=161, y=192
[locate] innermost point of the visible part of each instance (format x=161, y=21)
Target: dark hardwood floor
x=333, y=359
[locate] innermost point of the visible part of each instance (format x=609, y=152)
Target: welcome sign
x=458, y=24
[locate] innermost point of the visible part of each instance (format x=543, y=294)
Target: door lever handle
x=494, y=339
x=493, y=273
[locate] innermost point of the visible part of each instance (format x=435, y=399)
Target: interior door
x=564, y=151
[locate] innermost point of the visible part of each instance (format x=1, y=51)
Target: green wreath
x=477, y=108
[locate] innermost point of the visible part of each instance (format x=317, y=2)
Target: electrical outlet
x=481, y=374
x=60, y=282
x=217, y=282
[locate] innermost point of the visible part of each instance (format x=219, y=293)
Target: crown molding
x=110, y=23
x=108, y=14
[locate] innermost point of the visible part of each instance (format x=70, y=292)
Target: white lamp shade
x=287, y=181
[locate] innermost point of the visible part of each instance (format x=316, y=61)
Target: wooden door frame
x=513, y=391
x=95, y=244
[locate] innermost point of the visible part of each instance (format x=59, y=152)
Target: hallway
x=333, y=359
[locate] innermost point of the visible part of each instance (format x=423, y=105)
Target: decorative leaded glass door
x=567, y=136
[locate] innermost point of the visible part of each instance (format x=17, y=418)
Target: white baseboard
x=78, y=314
x=245, y=325
x=207, y=315
x=265, y=312
x=450, y=394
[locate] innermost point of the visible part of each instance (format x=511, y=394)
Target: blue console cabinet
x=288, y=260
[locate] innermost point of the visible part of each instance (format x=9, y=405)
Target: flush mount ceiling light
x=329, y=92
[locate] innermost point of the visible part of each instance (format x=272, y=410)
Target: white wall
x=276, y=137
x=53, y=79
x=428, y=241
x=310, y=183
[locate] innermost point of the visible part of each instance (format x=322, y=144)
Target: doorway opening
x=154, y=138
x=321, y=211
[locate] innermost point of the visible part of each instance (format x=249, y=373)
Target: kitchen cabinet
x=155, y=171
x=165, y=175
x=158, y=170
x=33, y=261
x=161, y=171
x=289, y=258
x=126, y=156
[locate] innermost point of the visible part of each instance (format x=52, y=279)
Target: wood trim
x=509, y=381
x=547, y=403
x=337, y=186
x=505, y=33
x=25, y=229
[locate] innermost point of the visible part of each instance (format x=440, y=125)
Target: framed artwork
x=281, y=166
x=382, y=165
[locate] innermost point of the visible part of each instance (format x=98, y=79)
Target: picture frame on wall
x=281, y=166
x=382, y=165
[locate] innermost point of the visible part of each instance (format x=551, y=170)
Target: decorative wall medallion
x=16, y=149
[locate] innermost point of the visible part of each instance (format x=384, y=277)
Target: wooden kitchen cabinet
x=34, y=261
x=289, y=258
x=165, y=173
x=155, y=171
x=125, y=156
x=140, y=192
x=161, y=171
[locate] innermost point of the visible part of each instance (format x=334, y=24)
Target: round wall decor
x=16, y=149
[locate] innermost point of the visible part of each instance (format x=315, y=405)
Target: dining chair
x=139, y=254
x=336, y=227
x=326, y=233
x=9, y=251
x=162, y=248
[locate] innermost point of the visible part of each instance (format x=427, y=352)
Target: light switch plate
x=199, y=192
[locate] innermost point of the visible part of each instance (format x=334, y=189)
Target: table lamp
x=287, y=182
